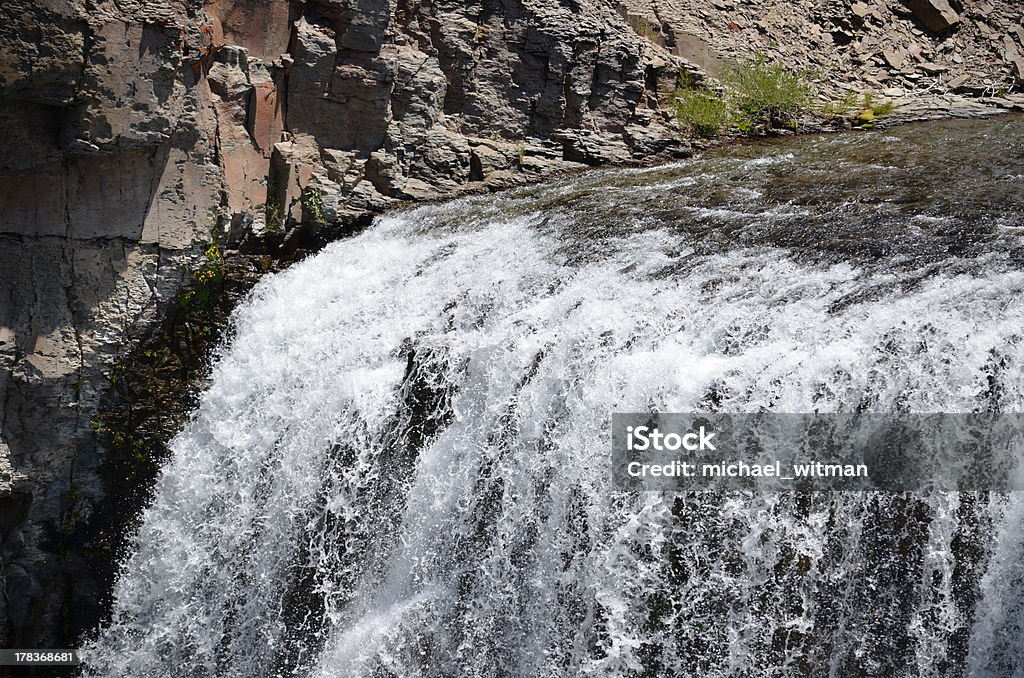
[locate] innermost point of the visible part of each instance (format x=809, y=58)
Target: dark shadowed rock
x=936, y=15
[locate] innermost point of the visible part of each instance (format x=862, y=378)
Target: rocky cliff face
x=137, y=133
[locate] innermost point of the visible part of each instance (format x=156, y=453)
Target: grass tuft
x=768, y=94
x=702, y=110
x=860, y=112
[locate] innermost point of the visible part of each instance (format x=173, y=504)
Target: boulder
x=1014, y=58
x=936, y=15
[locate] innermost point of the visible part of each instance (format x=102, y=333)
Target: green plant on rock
x=767, y=94
x=212, y=269
x=869, y=110
x=521, y=155
x=313, y=204
x=841, y=107
x=884, y=108
x=209, y=274
x=272, y=216
x=701, y=109
x=139, y=458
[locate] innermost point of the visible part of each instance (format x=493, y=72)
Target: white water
x=339, y=508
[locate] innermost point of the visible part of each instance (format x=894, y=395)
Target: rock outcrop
x=909, y=47
x=138, y=133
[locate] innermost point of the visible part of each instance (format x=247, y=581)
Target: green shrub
x=767, y=93
x=207, y=278
x=702, y=110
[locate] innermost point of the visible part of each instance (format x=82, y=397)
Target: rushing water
x=401, y=467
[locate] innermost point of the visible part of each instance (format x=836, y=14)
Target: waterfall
x=400, y=466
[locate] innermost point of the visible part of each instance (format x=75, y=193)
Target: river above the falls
x=399, y=467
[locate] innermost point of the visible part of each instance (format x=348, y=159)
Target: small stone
x=894, y=58
x=958, y=82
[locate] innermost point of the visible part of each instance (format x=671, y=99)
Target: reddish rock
x=266, y=118
x=261, y=26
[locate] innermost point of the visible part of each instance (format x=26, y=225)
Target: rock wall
x=108, y=178
x=137, y=133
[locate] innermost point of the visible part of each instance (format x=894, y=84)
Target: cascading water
x=400, y=467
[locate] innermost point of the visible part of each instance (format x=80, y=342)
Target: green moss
x=865, y=118
x=864, y=111
x=869, y=110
